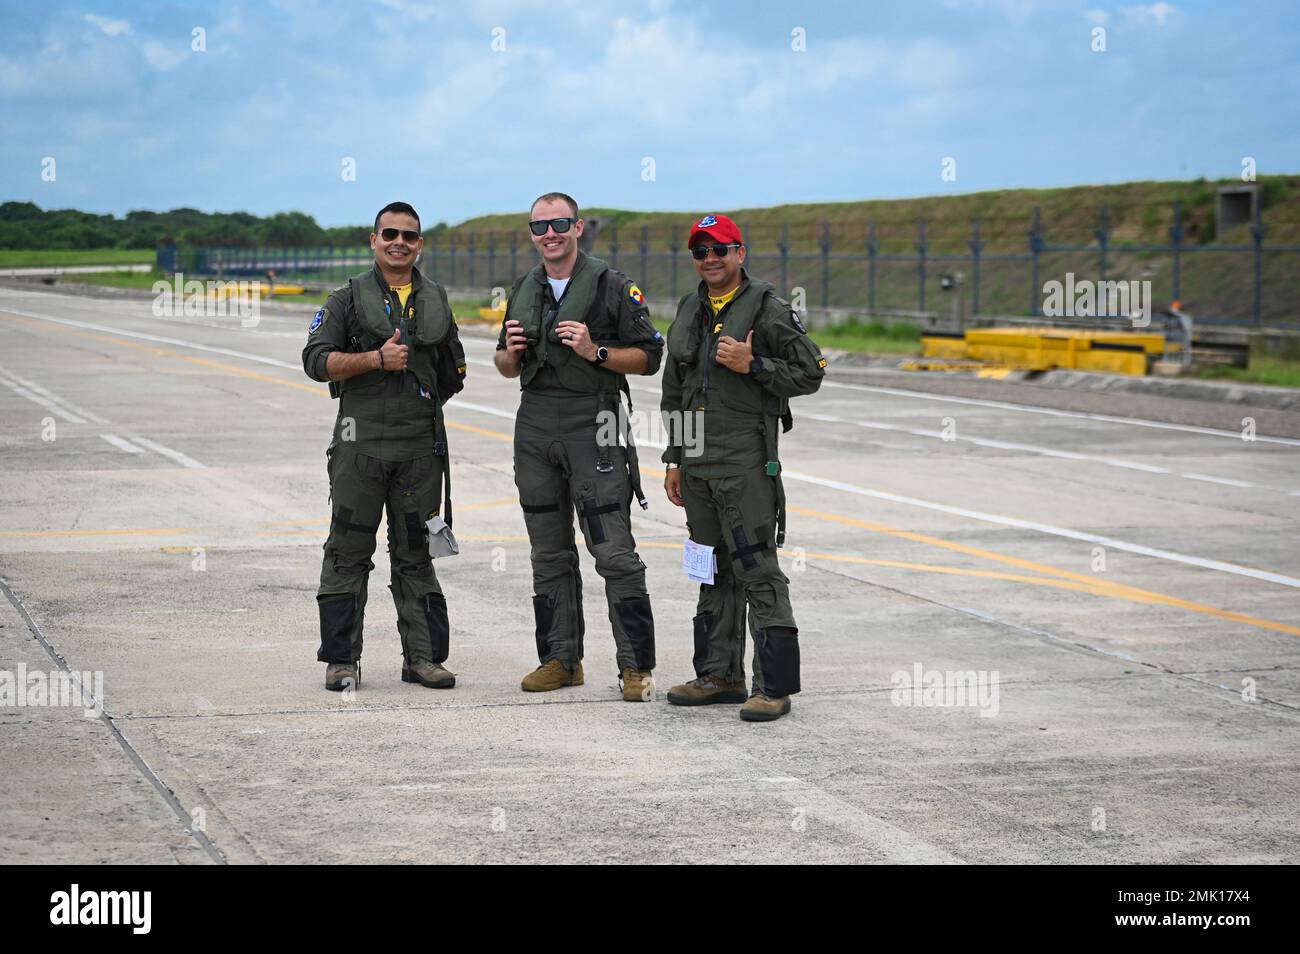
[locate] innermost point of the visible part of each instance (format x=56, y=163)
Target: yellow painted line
x=480, y=430
x=1093, y=584
x=1102, y=587
x=132, y=531
x=924, y=568
x=323, y=521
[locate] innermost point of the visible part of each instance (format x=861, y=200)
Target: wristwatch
x=602, y=354
x=756, y=365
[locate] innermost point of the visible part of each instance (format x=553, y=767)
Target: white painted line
x=1036, y=449
x=229, y=352
x=45, y=392
x=1170, y=555
x=167, y=452
x=483, y=409
x=121, y=444
x=1133, y=465
x=1218, y=480
x=41, y=401
x=1056, y=412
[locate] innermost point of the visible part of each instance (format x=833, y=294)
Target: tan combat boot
x=552, y=675
x=638, y=685
x=706, y=691
x=428, y=674
x=761, y=708
x=340, y=676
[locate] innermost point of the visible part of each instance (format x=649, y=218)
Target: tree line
x=25, y=225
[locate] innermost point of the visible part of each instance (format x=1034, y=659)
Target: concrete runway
x=1132, y=584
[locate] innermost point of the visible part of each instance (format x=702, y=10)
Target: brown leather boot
x=638, y=685
x=706, y=691
x=428, y=674
x=761, y=708
x=340, y=676
x=550, y=676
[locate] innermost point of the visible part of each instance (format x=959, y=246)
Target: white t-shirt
x=557, y=286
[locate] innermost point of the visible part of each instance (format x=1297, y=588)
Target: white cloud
x=163, y=56
x=109, y=27
x=1153, y=13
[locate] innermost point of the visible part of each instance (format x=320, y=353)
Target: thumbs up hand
x=394, y=354
x=734, y=354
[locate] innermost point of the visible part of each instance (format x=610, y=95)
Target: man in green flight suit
x=388, y=345
x=574, y=327
x=736, y=355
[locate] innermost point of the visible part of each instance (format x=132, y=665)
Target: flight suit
x=568, y=459
x=388, y=453
x=731, y=483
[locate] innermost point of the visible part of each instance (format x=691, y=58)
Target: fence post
x=451, y=257
x=1035, y=249
x=1176, y=236
x=1103, y=237
x=471, y=250
x=872, y=249
x=975, y=246
x=645, y=252
x=784, y=247
x=613, y=248
x=826, y=264
x=514, y=256
x=492, y=259
x=1257, y=233
x=672, y=258
x=921, y=246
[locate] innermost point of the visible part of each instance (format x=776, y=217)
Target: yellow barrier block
x=932, y=347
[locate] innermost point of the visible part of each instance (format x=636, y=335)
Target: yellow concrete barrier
x=1042, y=349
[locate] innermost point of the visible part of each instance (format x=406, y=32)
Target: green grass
x=118, y=279
x=34, y=258
x=873, y=337
x=1264, y=369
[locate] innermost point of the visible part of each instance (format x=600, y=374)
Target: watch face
x=602, y=354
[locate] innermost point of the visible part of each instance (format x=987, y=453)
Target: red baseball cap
x=717, y=227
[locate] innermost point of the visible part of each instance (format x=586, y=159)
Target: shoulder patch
x=316, y=322
x=635, y=294
x=798, y=325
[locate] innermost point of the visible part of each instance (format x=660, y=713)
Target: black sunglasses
x=701, y=252
x=407, y=235
x=539, y=226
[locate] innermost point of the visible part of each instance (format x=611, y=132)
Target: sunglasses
x=539, y=226
x=407, y=235
x=701, y=252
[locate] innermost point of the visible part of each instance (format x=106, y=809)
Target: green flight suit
x=731, y=483
x=566, y=462
x=388, y=453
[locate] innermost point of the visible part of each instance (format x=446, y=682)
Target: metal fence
x=985, y=266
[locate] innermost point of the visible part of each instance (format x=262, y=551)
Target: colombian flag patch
x=635, y=294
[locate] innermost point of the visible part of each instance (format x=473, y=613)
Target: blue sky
x=583, y=93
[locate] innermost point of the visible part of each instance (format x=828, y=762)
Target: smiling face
x=397, y=254
x=556, y=248
x=720, y=274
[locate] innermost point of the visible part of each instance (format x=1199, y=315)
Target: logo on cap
x=705, y=222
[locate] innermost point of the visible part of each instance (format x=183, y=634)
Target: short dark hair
x=404, y=208
x=556, y=197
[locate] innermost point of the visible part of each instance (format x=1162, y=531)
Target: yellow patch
x=717, y=328
x=635, y=294
x=821, y=363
